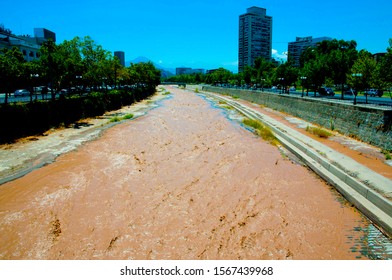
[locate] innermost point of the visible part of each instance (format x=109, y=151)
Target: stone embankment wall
x=369, y=124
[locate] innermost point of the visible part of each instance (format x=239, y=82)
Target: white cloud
x=279, y=56
x=232, y=63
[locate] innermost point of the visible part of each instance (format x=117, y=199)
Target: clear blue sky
x=199, y=33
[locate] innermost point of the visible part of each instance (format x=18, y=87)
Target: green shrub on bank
x=387, y=154
x=27, y=119
x=322, y=133
x=262, y=130
x=127, y=117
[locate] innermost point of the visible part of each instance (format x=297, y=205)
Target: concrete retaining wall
x=369, y=124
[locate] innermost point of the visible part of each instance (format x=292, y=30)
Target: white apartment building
x=29, y=46
x=295, y=49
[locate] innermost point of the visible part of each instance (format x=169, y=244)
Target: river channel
x=183, y=181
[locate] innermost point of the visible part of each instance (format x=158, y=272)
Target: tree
x=221, y=76
x=12, y=70
x=52, y=65
x=341, y=57
x=94, y=62
x=334, y=61
x=287, y=73
x=247, y=74
x=144, y=75
x=72, y=64
x=366, y=66
x=263, y=70
x=315, y=70
x=385, y=68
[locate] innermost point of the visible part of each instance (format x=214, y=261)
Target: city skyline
x=199, y=34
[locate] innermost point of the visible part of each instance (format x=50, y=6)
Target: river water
x=182, y=182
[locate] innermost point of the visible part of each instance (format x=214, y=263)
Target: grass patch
x=387, y=154
x=166, y=93
x=115, y=119
x=127, y=117
x=332, y=123
x=253, y=123
x=228, y=107
x=197, y=90
x=322, y=133
x=223, y=104
x=262, y=130
x=118, y=119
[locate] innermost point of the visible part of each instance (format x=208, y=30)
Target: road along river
x=182, y=182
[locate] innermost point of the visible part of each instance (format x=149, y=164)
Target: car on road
x=374, y=92
x=326, y=91
x=21, y=93
x=64, y=91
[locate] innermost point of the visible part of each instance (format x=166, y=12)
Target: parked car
x=21, y=92
x=63, y=91
x=350, y=92
x=374, y=92
x=326, y=91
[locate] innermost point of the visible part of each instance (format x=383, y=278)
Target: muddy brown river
x=182, y=182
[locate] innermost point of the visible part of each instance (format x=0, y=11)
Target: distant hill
x=139, y=59
x=165, y=72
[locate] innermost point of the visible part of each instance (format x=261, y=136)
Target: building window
x=24, y=52
x=31, y=54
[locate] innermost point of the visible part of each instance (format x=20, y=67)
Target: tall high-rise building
x=295, y=49
x=121, y=56
x=255, y=37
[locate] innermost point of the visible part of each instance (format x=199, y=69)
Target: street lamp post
x=303, y=79
x=282, y=81
x=33, y=76
x=356, y=75
x=78, y=85
x=262, y=84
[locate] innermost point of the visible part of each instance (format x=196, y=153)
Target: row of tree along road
x=335, y=63
x=71, y=67
x=78, y=65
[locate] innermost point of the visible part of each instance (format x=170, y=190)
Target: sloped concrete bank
x=370, y=192
x=29, y=154
x=368, y=123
